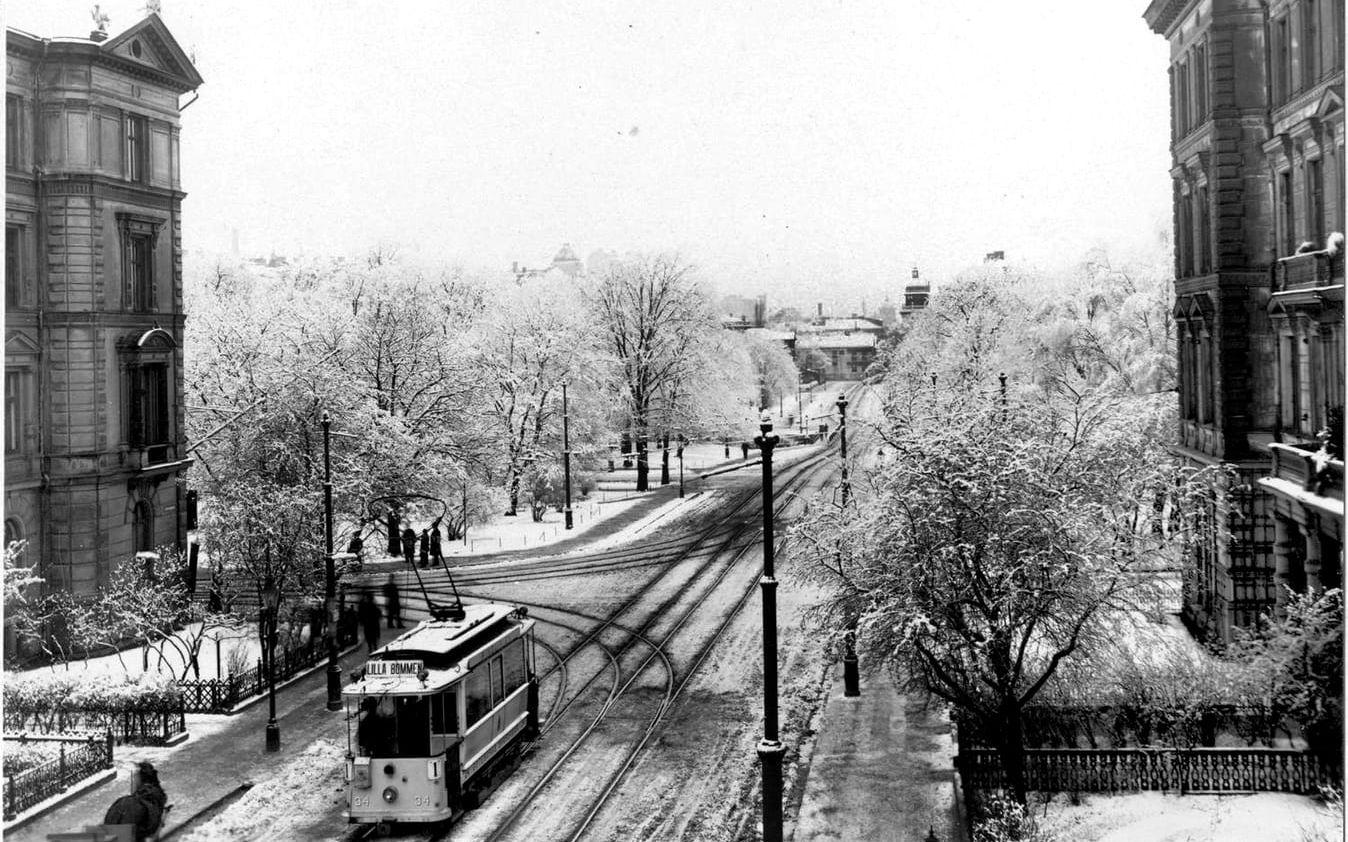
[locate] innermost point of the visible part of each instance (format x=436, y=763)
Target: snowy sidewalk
x=221, y=755
x=882, y=769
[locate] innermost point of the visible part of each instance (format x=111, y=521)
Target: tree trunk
x=1012, y=750
x=664, y=465
x=643, y=464
x=514, y=506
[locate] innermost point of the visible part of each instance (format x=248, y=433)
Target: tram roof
x=443, y=646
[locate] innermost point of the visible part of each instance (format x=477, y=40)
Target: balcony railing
x=1310, y=269
x=1312, y=470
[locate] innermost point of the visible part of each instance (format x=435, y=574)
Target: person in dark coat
x=436, y=553
x=393, y=604
x=425, y=548
x=368, y=615
x=143, y=809
x=357, y=544
x=409, y=545
x=744, y=449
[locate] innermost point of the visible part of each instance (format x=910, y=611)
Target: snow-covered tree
x=538, y=335
x=654, y=314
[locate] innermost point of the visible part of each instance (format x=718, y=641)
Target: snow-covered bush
x=48, y=691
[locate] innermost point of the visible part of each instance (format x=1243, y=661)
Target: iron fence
x=1197, y=770
x=77, y=759
x=153, y=724
x=222, y=694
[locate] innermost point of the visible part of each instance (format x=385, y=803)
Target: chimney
x=820, y=309
x=914, y=273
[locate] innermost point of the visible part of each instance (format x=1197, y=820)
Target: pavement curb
x=43, y=807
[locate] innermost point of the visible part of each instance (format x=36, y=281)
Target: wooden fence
x=77, y=759
x=1199, y=770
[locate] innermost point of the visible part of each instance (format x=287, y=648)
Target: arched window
x=143, y=527
x=13, y=531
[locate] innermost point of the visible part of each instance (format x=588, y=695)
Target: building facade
x=1258, y=196
x=95, y=456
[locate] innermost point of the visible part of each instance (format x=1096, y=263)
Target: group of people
x=367, y=614
x=424, y=548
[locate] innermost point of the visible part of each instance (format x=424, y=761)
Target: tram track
x=713, y=554
x=728, y=555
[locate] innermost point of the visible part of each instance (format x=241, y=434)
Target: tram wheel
x=382, y=829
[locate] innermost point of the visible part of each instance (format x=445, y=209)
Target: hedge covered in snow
x=49, y=691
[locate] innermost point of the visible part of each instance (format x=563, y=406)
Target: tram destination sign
x=393, y=667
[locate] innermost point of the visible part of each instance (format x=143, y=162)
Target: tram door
x=445, y=737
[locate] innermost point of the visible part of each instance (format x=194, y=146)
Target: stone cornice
x=1161, y=15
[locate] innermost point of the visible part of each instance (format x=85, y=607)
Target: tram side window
x=497, y=680
x=445, y=714
x=478, y=699
x=516, y=669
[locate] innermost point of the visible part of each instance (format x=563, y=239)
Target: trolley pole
x=566, y=457
x=770, y=749
x=330, y=569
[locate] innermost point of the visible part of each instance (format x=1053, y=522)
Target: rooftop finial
x=153, y=7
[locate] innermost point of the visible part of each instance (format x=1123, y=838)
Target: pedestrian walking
x=744, y=449
x=409, y=545
x=393, y=604
x=425, y=547
x=368, y=616
x=356, y=545
x=144, y=808
x=436, y=554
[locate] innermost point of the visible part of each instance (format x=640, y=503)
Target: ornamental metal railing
x=77, y=758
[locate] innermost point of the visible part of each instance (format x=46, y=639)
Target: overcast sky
x=822, y=148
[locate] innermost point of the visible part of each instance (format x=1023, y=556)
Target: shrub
x=20, y=757
x=46, y=691
x=999, y=818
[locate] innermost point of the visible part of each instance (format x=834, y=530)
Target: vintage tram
x=438, y=711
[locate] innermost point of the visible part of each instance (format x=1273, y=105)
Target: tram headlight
x=390, y=794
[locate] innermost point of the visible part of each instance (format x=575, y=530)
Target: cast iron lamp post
x=851, y=675
x=770, y=749
x=330, y=570
x=842, y=442
x=566, y=458
x=271, y=598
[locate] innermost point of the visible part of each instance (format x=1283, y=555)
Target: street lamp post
x=271, y=598
x=330, y=570
x=566, y=458
x=770, y=749
x=851, y=674
x=842, y=443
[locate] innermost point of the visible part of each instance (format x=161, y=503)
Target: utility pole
x=566, y=457
x=842, y=442
x=330, y=568
x=770, y=749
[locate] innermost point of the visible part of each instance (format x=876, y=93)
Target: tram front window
x=394, y=726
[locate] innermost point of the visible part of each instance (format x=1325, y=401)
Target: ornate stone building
x=1257, y=151
x=94, y=449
